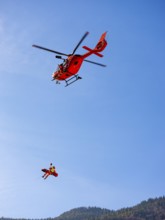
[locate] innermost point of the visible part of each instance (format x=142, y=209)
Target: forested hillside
x=153, y=209
x=82, y=213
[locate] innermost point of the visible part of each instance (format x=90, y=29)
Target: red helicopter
x=68, y=70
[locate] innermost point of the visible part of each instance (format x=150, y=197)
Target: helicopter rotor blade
x=100, y=64
x=53, y=51
x=83, y=37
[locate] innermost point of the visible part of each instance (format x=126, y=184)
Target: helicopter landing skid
x=72, y=80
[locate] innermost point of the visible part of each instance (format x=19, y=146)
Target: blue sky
x=106, y=133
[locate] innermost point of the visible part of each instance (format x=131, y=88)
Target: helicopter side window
x=60, y=67
x=66, y=62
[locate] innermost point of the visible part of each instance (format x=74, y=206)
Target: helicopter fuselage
x=69, y=68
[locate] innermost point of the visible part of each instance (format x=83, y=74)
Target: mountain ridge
x=151, y=209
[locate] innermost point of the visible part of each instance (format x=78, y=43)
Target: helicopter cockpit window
x=60, y=67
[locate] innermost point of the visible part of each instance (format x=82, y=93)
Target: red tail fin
x=102, y=43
